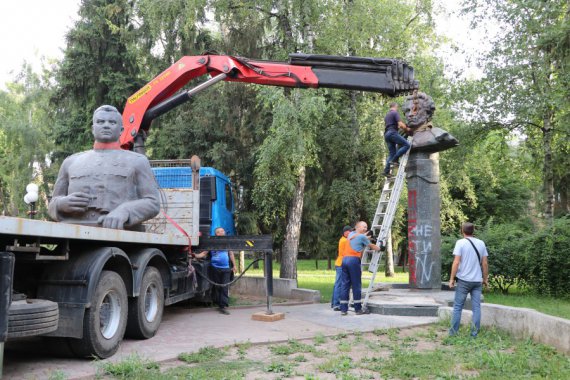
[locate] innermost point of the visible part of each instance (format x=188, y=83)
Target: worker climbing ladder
x=383, y=219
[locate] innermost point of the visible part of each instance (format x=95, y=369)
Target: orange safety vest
x=341, y=244
x=348, y=251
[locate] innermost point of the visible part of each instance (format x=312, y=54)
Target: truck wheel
x=32, y=317
x=105, y=321
x=145, y=311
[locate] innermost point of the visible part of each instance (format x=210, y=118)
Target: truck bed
x=13, y=226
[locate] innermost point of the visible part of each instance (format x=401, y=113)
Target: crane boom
x=387, y=76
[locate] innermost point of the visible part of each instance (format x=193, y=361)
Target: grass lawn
x=322, y=279
x=416, y=353
x=547, y=305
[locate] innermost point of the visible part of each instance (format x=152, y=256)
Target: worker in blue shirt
x=351, y=276
x=222, y=264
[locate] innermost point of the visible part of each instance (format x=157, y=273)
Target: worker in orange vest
x=335, y=302
x=357, y=242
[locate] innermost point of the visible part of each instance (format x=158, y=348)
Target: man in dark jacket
x=393, y=139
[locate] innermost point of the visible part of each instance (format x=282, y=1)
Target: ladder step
x=389, y=198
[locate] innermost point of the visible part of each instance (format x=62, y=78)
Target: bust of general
x=105, y=186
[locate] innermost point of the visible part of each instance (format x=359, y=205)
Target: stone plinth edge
x=521, y=323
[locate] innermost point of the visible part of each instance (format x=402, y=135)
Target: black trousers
x=220, y=294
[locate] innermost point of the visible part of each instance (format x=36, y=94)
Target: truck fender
x=141, y=259
x=72, y=283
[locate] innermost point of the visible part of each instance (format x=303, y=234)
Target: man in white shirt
x=471, y=270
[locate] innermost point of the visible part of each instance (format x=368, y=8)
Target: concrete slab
x=187, y=330
x=403, y=301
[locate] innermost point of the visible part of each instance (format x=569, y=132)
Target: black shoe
x=343, y=313
x=223, y=311
x=361, y=312
x=336, y=308
x=387, y=175
x=394, y=164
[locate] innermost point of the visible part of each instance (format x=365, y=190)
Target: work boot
x=223, y=311
x=336, y=308
x=387, y=175
x=361, y=312
x=394, y=164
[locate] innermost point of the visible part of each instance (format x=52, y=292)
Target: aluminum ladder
x=383, y=219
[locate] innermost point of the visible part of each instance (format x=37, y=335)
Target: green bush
x=507, y=256
x=447, y=245
x=549, y=259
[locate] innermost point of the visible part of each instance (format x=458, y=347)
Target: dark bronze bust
x=419, y=109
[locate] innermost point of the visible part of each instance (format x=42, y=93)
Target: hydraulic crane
x=391, y=77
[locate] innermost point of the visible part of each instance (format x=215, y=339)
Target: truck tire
x=105, y=321
x=145, y=311
x=32, y=317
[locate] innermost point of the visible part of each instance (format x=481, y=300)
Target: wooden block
x=262, y=316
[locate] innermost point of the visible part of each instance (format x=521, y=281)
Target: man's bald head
x=361, y=227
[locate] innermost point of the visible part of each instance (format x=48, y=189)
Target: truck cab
x=216, y=195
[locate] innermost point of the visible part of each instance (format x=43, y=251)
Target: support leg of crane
x=1, y=357
x=268, y=315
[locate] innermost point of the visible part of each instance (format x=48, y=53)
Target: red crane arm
x=387, y=76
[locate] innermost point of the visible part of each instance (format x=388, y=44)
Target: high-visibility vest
x=341, y=245
x=348, y=251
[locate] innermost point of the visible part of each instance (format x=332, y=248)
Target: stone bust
x=105, y=186
x=419, y=109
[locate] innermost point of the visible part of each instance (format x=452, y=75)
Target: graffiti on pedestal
x=412, y=220
x=419, y=245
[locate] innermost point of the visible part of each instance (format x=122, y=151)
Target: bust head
x=418, y=109
x=107, y=124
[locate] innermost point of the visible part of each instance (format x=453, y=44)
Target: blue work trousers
x=393, y=140
x=351, y=277
x=462, y=289
x=335, y=302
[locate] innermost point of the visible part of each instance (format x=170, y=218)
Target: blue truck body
x=216, y=197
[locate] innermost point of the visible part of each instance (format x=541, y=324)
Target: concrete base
x=262, y=316
x=404, y=301
x=306, y=295
x=522, y=323
x=282, y=288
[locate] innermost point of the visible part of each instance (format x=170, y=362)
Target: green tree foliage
x=307, y=162
x=24, y=149
x=99, y=67
x=525, y=83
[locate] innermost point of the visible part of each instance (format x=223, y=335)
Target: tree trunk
x=329, y=263
x=241, y=261
x=389, y=272
x=293, y=230
x=548, y=172
x=354, y=115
